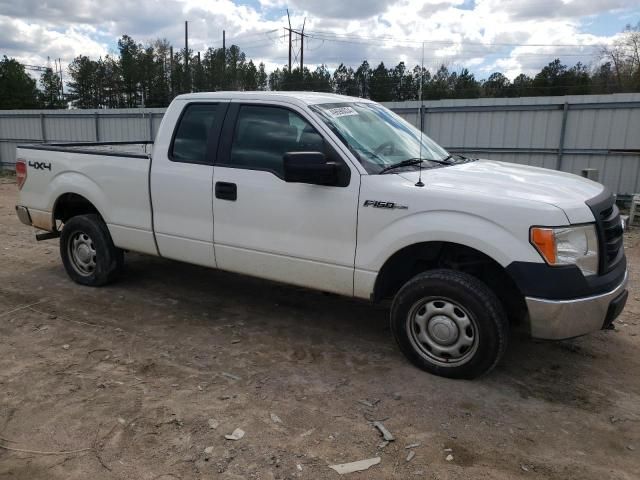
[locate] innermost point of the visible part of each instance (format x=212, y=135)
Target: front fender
x=471, y=230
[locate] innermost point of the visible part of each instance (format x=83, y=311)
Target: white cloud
x=481, y=35
x=32, y=43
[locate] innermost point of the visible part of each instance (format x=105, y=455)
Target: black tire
x=104, y=260
x=447, y=302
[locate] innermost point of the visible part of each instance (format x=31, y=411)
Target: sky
x=509, y=36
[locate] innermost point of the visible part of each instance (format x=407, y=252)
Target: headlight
x=568, y=246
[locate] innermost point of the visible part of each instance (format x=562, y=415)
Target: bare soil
x=134, y=372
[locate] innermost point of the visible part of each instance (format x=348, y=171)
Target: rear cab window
x=193, y=132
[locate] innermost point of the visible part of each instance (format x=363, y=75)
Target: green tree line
x=153, y=74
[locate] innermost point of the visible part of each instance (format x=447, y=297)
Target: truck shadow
x=319, y=327
x=556, y=372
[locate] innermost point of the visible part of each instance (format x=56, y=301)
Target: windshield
x=378, y=137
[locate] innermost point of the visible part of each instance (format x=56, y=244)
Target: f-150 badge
x=379, y=204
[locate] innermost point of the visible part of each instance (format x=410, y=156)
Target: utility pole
x=224, y=58
x=301, y=35
x=290, y=44
x=302, y=48
x=61, y=82
x=171, y=69
x=186, y=55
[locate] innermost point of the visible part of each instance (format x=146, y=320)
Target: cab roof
x=308, y=98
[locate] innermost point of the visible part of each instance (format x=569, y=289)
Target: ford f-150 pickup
x=341, y=195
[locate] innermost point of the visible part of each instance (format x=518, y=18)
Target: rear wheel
x=449, y=323
x=88, y=253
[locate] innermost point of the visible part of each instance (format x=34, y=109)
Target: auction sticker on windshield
x=341, y=112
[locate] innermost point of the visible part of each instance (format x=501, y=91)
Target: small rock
x=383, y=444
x=396, y=396
x=386, y=434
x=631, y=448
x=208, y=450
x=524, y=468
x=412, y=445
x=225, y=397
x=449, y=458
x=66, y=346
x=358, y=466
x=200, y=388
x=448, y=449
x=213, y=424
x=237, y=434
x=275, y=418
x=235, y=340
x=231, y=376
x=121, y=421
x=299, y=467
x=419, y=472
x=411, y=455
x=52, y=317
x=307, y=433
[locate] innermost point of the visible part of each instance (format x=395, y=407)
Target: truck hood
x=513, y=181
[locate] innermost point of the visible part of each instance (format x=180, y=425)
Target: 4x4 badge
x=379, y=204
x=40, y=165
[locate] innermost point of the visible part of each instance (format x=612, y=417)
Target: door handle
x=227, y=191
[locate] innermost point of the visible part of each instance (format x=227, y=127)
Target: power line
x=250, y=35
x=376, y=40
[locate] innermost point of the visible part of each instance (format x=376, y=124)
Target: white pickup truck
x=339, y=194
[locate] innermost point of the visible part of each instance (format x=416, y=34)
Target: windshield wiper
x=404, y=163
x=462, y=157
x=415, y=161
x=445, y=160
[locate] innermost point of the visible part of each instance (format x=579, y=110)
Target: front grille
x=610, y=233
x=612, y=229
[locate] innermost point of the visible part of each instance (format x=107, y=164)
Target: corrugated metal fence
x=567, y=133
x=36, y=126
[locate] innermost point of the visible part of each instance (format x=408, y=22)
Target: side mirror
x=309, y=167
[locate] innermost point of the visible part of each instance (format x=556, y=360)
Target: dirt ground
x=137, y=373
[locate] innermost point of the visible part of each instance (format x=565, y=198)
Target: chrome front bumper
x=559, y=319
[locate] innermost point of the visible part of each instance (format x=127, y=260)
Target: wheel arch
x=416, y=258
x=70, y=204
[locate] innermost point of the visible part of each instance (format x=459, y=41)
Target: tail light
x=21, y=172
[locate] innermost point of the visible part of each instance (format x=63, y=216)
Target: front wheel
x=449, y=323
x=88, y=253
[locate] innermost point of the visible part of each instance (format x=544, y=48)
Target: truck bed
x=114, y=175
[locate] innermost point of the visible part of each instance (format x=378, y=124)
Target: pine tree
x=262, y=79
x=83, y=84
x=17, y=88
x=51, y=90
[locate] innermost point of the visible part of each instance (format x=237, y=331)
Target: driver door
x=263, y=226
